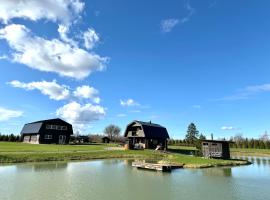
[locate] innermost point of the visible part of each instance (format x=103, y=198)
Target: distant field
x=250, y=152
x=20, y=152
x=181, y=147
x=6, y=147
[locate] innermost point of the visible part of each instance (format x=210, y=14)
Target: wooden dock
x=157, y=167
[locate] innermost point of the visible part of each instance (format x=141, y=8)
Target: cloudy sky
x=98, y=62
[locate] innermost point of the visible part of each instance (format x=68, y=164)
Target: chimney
x=150, y=122
x=212, y=137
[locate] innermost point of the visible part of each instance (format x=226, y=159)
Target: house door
x=205, y=151
x=62, y=139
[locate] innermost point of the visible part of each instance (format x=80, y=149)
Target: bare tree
x=265, y=137
x=112, y=131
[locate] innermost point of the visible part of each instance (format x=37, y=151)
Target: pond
x=117, y=180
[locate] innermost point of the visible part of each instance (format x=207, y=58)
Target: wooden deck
x=157, y=167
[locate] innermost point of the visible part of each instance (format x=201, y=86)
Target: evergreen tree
x=192, y=133
x=202, y=137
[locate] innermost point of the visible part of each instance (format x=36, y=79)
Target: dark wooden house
x=146, y=135
x=216, y=149
x=51, y=131
x=105, y=139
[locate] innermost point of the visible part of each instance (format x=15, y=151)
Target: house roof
x=48, y=120
x=150, y=130
x=34, y=127
x=31, y=128
x=217, y=141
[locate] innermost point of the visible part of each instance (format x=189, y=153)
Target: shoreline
x=186, y=161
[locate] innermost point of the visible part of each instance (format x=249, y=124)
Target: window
x=26, y=138
x=134, y=133
x=33, y=138
x=48, y=137
x=205, y=144
x=49, y=127
x=56, y=127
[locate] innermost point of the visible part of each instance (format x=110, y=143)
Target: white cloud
x=129, y=102
x=247, y=92
x=190, y=10
x=167, y=25
x=63, y=11
x=3, y=57
x=50, y=55
x=258, y=88
x=90, y=38
x=121, y=115
x=228, y=128
x=97, y=13
x=51, y=89
x=197, y=106
x=59, y=92
x=6, y=114
x=81, y=115
x=63, y=31
x=135, y=111
x=87, y=92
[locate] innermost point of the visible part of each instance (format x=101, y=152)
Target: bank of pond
x=21, y=152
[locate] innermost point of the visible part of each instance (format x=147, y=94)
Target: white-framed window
x=56, y=127
x=48, y=126
x=48, y=137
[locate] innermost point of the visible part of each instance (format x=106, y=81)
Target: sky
x=100, y=62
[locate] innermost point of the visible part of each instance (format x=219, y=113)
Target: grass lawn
x=18, y=147
x=250, y=152
x=181, y=147
x=20, y=152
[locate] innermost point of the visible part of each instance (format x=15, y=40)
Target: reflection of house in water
x=216, y=149
x=50, y=166
x=146, y=135
x=217, y=171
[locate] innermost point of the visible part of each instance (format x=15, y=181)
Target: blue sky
x=173, y=62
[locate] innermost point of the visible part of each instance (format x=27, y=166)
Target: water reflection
x=225, y=172
x=259, y=161
x=116, y=179
x=50, y=166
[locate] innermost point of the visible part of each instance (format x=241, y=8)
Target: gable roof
x=150, y=130
x=49, y=120
x=34, y=127
x=217, y=141
x=31, y=128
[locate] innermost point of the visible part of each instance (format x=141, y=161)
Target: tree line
x=193, y=138
x=10, y=138
x=250, y=143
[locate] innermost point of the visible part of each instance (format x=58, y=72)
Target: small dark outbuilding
x=51, y=131
x=105, y=139
x=216, y=149
x=146, y=135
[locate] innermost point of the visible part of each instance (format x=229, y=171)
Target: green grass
x=20, y=152
x=181, y=147
x=250, y=152
x=24, y=147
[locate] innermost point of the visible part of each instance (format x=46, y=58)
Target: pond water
x=116, y=179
